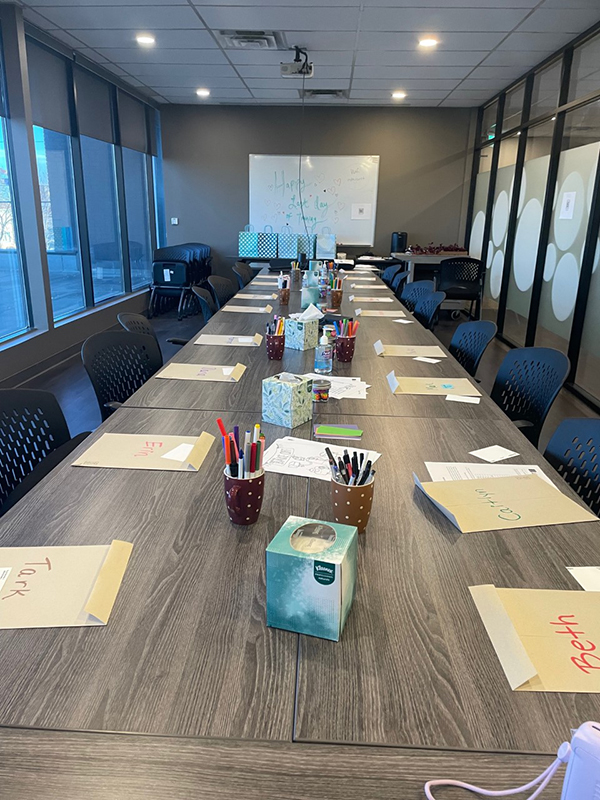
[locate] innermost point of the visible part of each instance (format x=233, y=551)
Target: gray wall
x=423, y=177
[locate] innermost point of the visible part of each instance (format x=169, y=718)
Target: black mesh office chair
x=243, y=273
x=205, y=299
x=222, y=289
x=34, y=438
x=470, y=341
x=415, y=291
x=118, y=364
x=526, y=385
x=573, y=451
x=388, y=273
x=136, y=323
x=462, y=279
x=427, y=309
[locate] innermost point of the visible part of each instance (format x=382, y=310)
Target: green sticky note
x=333, y=430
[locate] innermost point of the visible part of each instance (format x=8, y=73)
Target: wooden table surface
x=186, y=652
x=53, y=765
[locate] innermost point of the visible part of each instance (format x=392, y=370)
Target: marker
x=256, y=433
x=221, y=427
x=236, y=435
x=252, y=459
x=247, y=439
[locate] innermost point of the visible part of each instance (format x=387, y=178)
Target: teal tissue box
x=312, y=277
x=301, y=335
x=311, y=577
x=287, y=402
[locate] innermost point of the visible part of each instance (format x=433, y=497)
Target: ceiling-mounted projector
x=300, y=67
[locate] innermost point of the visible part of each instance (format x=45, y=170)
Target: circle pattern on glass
x=476, y=239
x=564, y=287
x=522, y=192
x=566, y=230
x=550, y=263
x=496, y=274
x=526, y=242
x=500, y=219
x=490, y=255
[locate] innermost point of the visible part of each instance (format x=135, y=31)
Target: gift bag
x=267, y=243
x=306, y=244
x=287, y=245
x=326, y=244
x=248, y=243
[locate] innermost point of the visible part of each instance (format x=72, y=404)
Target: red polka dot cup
x=344, y=348
x=275, y=346
x=243, y=498
x=352, y=504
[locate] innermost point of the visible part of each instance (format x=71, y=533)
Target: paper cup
x=352, y=504
x=243, y=498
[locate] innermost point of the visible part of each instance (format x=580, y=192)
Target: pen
x=366, y=473
x=241, y=472
x=354, y=464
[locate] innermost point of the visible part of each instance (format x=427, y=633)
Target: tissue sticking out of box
x=288, y=377
x=312, y=312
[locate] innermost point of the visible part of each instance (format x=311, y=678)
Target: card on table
x=202, y=372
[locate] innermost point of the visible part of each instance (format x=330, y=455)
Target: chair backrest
x=243, y=273
x=426, y=310
x=460, y=271
x=470, y=341
x=573, y=451
x=32, y=425
x=136, y=323
x=207, y=304
x=388, y=273
x=413, y=292
x=222, y=289
x=527, y=383
x=118, y=363
x=399, y=278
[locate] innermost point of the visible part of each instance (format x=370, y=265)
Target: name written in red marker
x=588, y=661
x=148, y=449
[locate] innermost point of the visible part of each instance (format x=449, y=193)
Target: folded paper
x=248, y=309
x=252, y=296
x=55, y=587
x=546, y=640
x=494, y=504
x=146, y=451
x=229, y=341
x=410, y=351
x=202, y=372
x=493, y=453
x=431, y=386
x=354, y=299
x=375, y=313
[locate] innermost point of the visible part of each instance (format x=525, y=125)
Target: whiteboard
x=338, y=192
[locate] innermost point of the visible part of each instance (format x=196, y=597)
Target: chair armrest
x=175, y=340
x=522, y=423
x=113, y=405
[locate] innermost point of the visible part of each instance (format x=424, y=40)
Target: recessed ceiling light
x=145, y=39
x=428, y=41
x=203, y=92
x=399, y=95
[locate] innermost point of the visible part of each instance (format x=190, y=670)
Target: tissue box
x=287, y=402
x=311, y=577
x=301, y=335
x=309, y=295
x=312, y=277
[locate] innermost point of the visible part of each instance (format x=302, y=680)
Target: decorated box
x=311, y=577
x=287, y=400
x=301, y=335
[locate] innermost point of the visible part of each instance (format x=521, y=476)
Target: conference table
x=186, y=689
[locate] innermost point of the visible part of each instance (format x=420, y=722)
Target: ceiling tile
x=67, y=39
x=105, y=3
x=37, y=19
x=425, y=94
x=414, y=58
x=192, y=97
x=276, y=94
x=273, y=71
x=326, y=58
x=193, y=82
x=126, y=38
x=369, y=40
x=545, y=43
x=182, y=70
x=411, y=72
x=260, y=17
x=391, y=85
x=296, y=83
x=572, y=4
x=321, y=40
x=92, y=55
x=507, y=58
x=152, y=18
x=489, y=85
x=450, y=102
x=507, y=74
x=162, y=55
x=441, y=20
x=469, y=94
x=565, y=20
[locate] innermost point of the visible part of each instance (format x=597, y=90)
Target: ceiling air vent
x=252, y=40
x=340, y=94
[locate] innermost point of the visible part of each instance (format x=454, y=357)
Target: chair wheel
x=455, y=314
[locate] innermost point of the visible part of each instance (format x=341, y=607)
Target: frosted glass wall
x=482, y=186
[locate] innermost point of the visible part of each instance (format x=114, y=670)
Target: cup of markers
x=345, y=341
x=352, y=487
x=244, y=476
x=275, y=339
x=336, y=292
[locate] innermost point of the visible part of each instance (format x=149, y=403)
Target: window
x=513, y=108
x=482, y=186
x=102, y=215
x=488, y=123
x=14, y=314
x=55, y=175
x=585, y=70
x=546, y=83
x=138, y=217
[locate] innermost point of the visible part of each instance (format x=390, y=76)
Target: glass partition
x=482, y=186
x=546, y=86
x=513, y=108
x=585, y=69
x=138, y=217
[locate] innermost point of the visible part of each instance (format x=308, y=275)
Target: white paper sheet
x=463, y=471
x=493, y=453
x=179, y=453
x=462, y=398
x=425, y=359
x=349, y=388
x=587, y=577
x=405, y=321
x=291, y=456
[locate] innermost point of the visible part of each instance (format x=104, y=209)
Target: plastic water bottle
x=324, y=356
